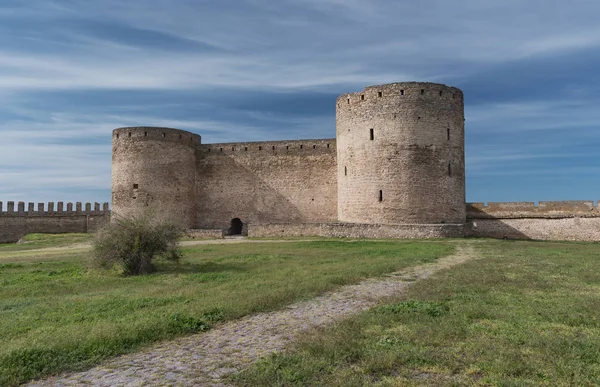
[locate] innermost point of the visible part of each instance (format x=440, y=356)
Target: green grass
x=39, y=241
x=58, y=315
x=526, y=314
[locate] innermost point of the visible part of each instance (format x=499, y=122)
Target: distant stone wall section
x=16, y=222
x=555, y=220
x=513, y=210
x=356, y=230
x=555, y=229
x=266, y=182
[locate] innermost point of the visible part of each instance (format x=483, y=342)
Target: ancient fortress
x=395, y=170
x=398, y=158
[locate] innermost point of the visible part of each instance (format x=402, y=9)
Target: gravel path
x=203, y=359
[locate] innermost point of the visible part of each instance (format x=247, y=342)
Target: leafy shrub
x=133, y=242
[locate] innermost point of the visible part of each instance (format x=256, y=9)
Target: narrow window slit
x=449, y=170
x=260, y=148
x=448, y=134
x=441, y=93
x=401, y=92
x=301, y=146
x=422, y=91
x=380, y=195
x=372, y=134
x=380, y=94
x=362, y=97
x=345, y=171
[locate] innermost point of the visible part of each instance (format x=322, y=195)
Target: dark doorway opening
x=236, y=226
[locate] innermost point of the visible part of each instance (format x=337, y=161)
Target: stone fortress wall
x=554, y=220
x=550, y=220
x=561, y=220
x=266, y=182
x=398, y=158
x=394, y=170
x=155, y=167
x=16, y=222
x=401, y=154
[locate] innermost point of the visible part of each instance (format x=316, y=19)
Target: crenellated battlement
x=399, y=92
x=275, y=147
x=49, y=209
x=18, y=219
x=542, y=209
x=153, y=133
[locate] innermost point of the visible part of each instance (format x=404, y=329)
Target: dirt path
x=87, y=245
x=203, y=359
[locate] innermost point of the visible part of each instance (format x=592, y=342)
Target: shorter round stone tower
x=155, y=168
x=400, y=154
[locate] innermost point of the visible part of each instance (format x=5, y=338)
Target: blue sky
x=252, y=70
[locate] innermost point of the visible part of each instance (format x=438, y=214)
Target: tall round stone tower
x=400, y=154
x=156, y=168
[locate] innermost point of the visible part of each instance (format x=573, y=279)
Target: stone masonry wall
x=17, y=222
x=356, y=230
x=514, y=210
x=560, y=220
x=556, y=229
x=266, y=182
x=401, y=154
x=155, y=168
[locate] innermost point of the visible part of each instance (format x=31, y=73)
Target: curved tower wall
x=400, y=154
x=155, y=168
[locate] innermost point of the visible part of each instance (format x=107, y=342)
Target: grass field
x=59, y=315
x=525, y=314
x=40, y=241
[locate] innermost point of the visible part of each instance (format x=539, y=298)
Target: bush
x=133, y=243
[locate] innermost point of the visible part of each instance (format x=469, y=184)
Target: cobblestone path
x=203, y=359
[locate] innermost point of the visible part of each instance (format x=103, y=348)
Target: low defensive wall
x=16, y=222
x=557, y=220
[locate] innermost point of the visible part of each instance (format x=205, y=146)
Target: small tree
x=134, y=241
